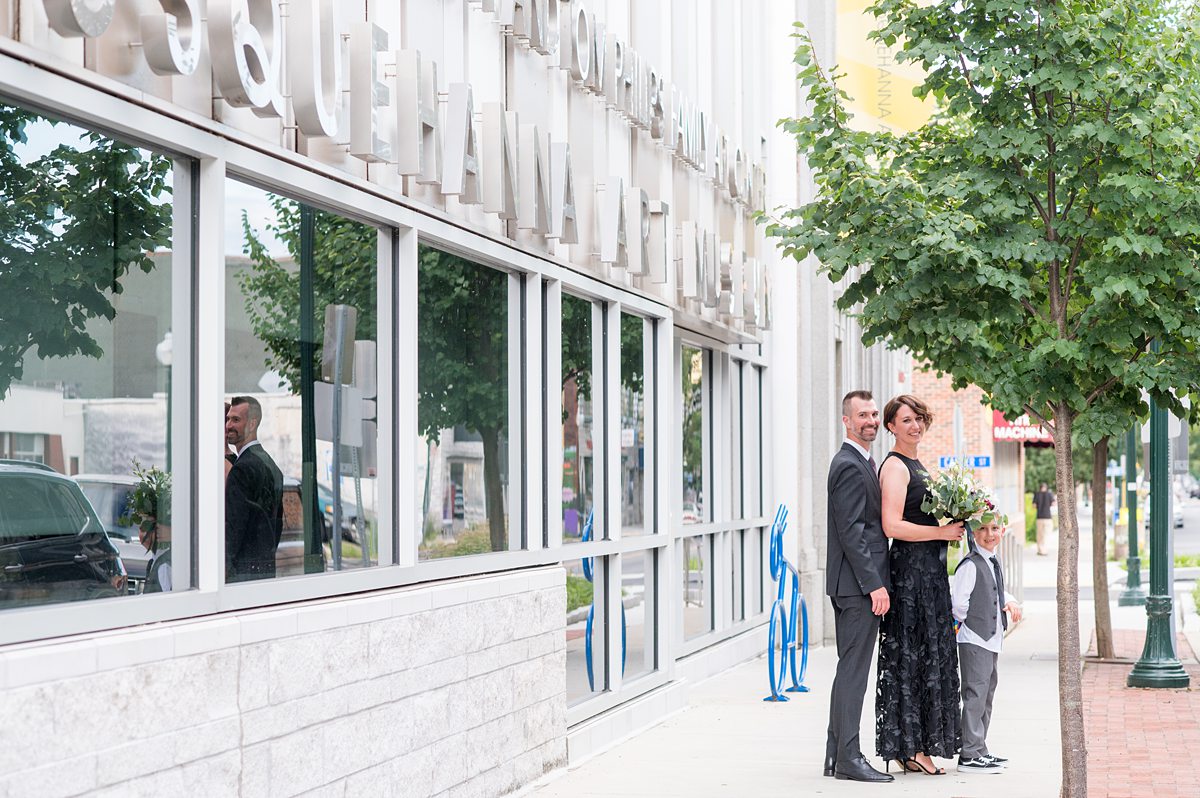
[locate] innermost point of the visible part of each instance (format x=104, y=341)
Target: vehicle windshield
x=111, y=503
x=38, y=508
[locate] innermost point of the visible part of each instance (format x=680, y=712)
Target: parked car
x=349, y=514
x=109, y=496
x=53, y=546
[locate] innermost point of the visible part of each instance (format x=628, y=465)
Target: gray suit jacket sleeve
x=849, y=499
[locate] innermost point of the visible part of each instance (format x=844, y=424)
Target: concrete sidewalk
x=728, y=742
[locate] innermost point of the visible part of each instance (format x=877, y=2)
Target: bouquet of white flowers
x=955, y=493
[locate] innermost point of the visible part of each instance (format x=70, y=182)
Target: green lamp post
x=1134, y=594
x=1159, y=666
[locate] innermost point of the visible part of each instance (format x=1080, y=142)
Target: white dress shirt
x=865, y=454
x=242, y=450
x=960, y=599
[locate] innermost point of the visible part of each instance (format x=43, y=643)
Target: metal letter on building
x=750, y=299
x=637, y=216
x=595, y=82
x=461, y=174
x=613, y=238
x=578, y=31
x=725, y=279
x=418, y=129
x=735, y=178
x=662, y=251
x=172, y=40
x=711, y=287
x=692, y=253
x=368, y=93
x=314, y=66
x=737, y=285
x=764, y=293
x=247, y=56
x=535, y=183
x=499, y=161
x=76, y=18
x=530, y=23
x=563, y=224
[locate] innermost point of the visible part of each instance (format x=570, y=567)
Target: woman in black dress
x=916, y=703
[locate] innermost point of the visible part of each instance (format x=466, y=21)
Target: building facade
x=533, y=379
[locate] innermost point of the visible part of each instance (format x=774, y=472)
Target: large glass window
x=301, y=486
x=579, y=356
x=639, y=616
x=694, y=364
x=88, y=273
x=463, y=405
x=633, y=426
x=587, y=671
x=697, y=585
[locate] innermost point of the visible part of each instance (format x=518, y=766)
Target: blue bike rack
x=589, y=574
x=785, y=620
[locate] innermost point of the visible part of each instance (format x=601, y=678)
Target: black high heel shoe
x=900, y=762
x=913, y=765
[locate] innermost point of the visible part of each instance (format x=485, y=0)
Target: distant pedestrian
x=980, y=603
x=1043, y=500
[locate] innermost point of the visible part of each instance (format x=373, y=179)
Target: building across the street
x=483, y=280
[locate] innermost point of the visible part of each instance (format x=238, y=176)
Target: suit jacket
x=253, y=516
x=857, y=554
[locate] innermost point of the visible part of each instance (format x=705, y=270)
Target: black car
x=109, y=496
x=53, y=547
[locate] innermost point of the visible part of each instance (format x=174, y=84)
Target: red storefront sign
x=1023, y=430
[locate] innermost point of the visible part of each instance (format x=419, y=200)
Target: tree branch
x=1113, y=379
x=1049, y=425
x=966, y=73
x=1076, y=251
x=1034, y=312
x=1040, y=208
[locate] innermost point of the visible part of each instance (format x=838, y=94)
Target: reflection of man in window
x=253, y=497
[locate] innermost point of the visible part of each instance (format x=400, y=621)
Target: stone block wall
x=440, y=690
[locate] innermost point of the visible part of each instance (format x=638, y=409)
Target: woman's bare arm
x=893, y=485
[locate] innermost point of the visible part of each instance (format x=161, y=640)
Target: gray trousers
x=856, y=628
x=979, y=676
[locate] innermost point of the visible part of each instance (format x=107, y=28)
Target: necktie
x=1000, y=591
x=874, y=468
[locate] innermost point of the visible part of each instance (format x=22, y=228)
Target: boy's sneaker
x=999, y=760
x=979, y=764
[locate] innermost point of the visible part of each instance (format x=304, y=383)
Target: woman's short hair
x=919, y=408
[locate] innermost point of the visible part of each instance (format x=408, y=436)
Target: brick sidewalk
x=1140, y=742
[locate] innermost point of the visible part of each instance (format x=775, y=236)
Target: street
x=1187, y=539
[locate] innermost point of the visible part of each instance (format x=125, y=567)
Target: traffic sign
x=978, y=461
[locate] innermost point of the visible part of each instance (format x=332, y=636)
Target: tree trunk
x=493, y=490
x=1070, y=688
x=1104, y=635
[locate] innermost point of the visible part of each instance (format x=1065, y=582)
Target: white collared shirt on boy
x=960, y=599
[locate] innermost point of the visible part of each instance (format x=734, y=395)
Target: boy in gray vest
x=980, y=603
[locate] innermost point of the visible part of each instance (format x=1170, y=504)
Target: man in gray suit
x=857, y=582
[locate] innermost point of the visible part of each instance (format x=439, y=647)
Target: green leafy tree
x=462, y=365
x=1037, y=237
x=344, y=256
x=75, y=221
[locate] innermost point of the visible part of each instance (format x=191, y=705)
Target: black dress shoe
x=829, y=763
x=859, y=770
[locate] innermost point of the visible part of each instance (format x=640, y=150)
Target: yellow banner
x=880, y=89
